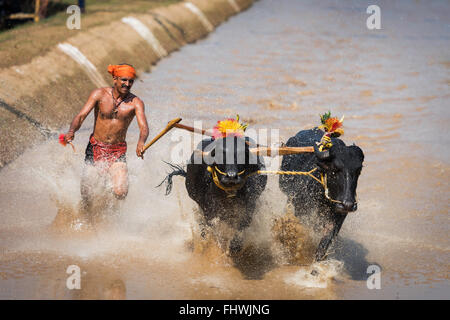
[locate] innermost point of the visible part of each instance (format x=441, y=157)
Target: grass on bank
x=21, y=44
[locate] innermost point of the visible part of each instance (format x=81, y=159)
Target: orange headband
x=122, y=70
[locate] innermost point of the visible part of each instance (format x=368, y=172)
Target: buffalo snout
x=231, y=178
x=347, y=206
x=232, y=174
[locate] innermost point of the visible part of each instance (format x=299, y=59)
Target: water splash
x=294, y=241
x=318, y=275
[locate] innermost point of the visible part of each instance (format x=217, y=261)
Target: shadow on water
x=254, y=261
x=353, y=255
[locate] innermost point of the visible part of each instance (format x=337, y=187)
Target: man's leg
x=81, y=5
x=119, y=179
x=89, y=179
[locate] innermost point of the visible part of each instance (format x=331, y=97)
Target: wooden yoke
x=281, y=151
x=258, y=150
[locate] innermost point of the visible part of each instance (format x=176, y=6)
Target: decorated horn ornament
x=321, y=155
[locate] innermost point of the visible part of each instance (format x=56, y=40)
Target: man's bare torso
x=111, y=125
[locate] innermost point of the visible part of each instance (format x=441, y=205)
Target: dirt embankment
x=39, y=97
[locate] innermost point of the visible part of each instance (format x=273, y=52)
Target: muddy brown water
x=278, y=65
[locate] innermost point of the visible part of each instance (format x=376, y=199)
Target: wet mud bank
x=38, y=98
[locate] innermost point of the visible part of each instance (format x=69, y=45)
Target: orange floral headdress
x=333, y=129
x=331, y=126
x=229, y=127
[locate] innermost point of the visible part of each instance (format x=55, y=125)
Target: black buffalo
x=221, y=178
x=324, y=211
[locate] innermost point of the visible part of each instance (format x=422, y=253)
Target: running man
x=114, y=109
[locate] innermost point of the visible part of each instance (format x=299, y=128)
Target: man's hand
x=69, y=136
x=143, y=127
x=140, y=150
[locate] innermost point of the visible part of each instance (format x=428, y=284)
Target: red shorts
x=97, y=151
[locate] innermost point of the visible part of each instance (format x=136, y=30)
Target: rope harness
x=322, y=181
x=231, y=191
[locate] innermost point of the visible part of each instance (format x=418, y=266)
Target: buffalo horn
x=321, y=155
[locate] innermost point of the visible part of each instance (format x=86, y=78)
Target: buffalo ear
x=357, y=150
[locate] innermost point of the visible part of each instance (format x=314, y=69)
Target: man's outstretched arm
x=79, y=118
x=143, y=128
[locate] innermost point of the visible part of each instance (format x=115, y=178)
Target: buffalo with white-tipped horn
x=322, y=205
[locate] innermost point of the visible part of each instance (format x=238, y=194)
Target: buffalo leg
x=329, y=237
x=243, y=223
x=236, y=243
x=302, y=210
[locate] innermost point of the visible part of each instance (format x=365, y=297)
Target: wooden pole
x=36, y=10
x=282, y=151
x=259, y=150
x=203, y=132
x=169, y=126
x=191, y=129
